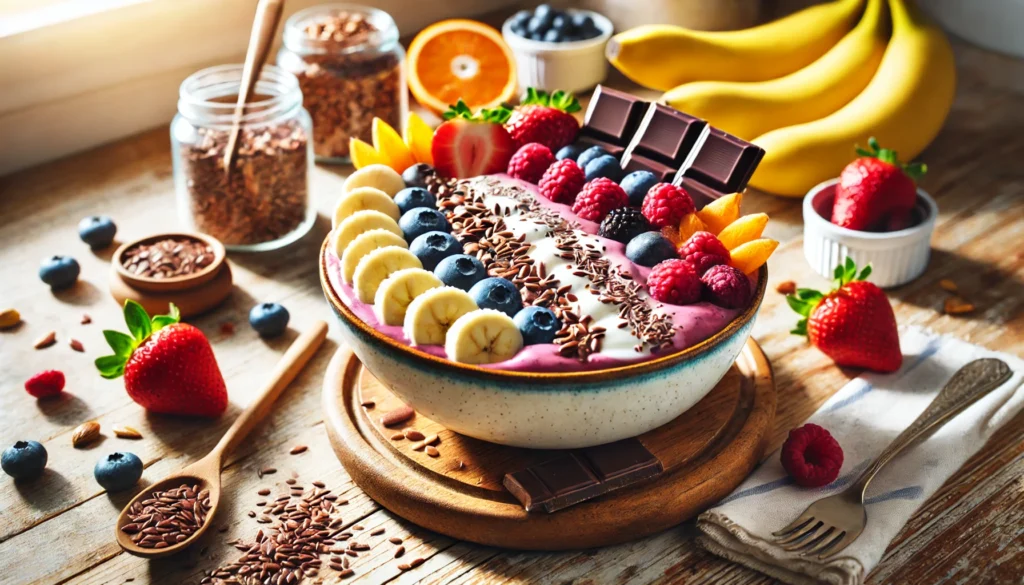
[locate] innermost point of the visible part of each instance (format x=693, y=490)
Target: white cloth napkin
x=864, y=417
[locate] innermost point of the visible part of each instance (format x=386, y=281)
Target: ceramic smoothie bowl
x=544, y=410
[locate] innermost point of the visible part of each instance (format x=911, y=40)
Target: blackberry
x=624, y=224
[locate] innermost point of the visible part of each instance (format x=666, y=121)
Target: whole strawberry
x=168, y=366
x=546, y=119
x=853, y=324
x=876, y=191
x=467, y=144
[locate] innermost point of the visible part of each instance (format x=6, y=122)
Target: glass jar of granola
x=264, y=202
x=349, y=64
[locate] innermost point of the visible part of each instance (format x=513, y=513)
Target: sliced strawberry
x=468, y=145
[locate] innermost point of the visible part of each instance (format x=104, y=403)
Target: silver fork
x=831, y=524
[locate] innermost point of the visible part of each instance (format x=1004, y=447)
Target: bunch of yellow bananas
x=806, y=88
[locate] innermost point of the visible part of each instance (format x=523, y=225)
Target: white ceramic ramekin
x=896, y=257
x=573, y=66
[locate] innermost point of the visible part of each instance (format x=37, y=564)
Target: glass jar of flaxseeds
x=264, y=201
x=348, y=61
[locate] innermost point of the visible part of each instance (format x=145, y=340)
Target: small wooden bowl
x=176, y=283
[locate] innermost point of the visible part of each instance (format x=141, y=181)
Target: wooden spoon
x=206, y=472
x=268, y=14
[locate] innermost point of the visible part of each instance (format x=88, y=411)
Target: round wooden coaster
x=706, y=453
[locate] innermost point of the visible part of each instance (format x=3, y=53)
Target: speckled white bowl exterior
x=546, y=410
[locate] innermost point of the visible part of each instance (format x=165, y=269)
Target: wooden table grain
x=58, y=529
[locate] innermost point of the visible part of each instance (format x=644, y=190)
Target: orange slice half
x=465, y=59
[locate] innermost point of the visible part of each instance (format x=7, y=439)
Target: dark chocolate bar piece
x=725, y=162
x=612, y=149
x=613, y=116
x=581, y=475
x=663, y=172
x=667, y=135
x=699, y=192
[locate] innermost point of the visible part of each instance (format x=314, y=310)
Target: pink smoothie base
x=694, y=323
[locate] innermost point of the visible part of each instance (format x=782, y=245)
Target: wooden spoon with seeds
x=205, y=473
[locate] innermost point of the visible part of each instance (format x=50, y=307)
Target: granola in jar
x=349, y=65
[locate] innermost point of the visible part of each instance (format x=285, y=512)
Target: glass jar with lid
x=264, y=202
x=348, y=61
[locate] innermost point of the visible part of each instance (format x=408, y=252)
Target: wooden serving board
x=706, y=453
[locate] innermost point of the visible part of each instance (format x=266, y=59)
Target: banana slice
x=365, y=243
x=380, y=176
x=362, y=198
x=378, y=265
x=484, y=336
x=361, y=222
x=431, y=314
x=398, y=290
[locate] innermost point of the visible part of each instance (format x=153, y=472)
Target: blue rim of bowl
x=638, y=368
x=811, y=214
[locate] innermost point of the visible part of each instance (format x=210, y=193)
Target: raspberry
x=562, y=181
x=665, y=205
x=623, y=224
x=811, y=456
x=45, y=384
x=704, y=250
x=726, y=287
x=598, y=197
x=530, y=162
x=674, y=282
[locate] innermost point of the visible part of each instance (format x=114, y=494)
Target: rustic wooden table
x=58, y=528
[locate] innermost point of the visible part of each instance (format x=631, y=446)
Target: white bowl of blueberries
x=558, y=49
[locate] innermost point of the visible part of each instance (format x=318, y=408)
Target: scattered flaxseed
x=413, y=434
x=432, y=451
x=167, y=517
x=957, y=306
x=395, y=540
x=397, y=436
x=227, y=328
x=404, y=567
x=417, y=562
x=86, y=319
x=290, y=481
x=399, y=552
x=46, y=340
x=427, y=441
x=397, y=416
x=786, y=287
x=357, y=527
x=948, y=285
x=298, y=449
x=269, y=470
x=368, y=404
x=126, y=432
x=318, y=483
x=76, y=345
x=377, y=531
x=264, y=492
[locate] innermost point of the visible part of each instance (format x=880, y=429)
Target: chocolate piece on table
x=636, y=162
x=668, y=135
x=581, y=475
x=613, y=116
x=724, y=162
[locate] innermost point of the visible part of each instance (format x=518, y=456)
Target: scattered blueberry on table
x=538, y=325
x=545, y=23
x=417, y=175
x=118, y=471
x=413, y=197
x=432, y=247
x=24, y=459
x=97, y=231
x=59, y=272
x=649, y=249
x=461, y=271
x=498, y=294
x=269, y=319
x=416, y=222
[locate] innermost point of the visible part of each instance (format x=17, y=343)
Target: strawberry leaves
x=140, y=327
x=560, y=100
x=805, y=300
x=461, y=110
x=913, y=170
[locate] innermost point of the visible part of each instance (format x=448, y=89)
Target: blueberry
x=521, y=18
x=561, y=23
x=603, y=166
x=97, y=230
x=582, y=20
x=498, y=294
x=413, y=197
x=519, y=30
x=269, y=319
x=538, y=325
x=636, y=185
x=417, y=175
x=553, y=36
x=461, y=271
x=24, y=459
x=420, y=220
x=571, y=151
x=589, y=155
x=536, y=26
x=650, y=249
x=118, y=471
x=432, y=247
x=59, y=271
x=543, y=10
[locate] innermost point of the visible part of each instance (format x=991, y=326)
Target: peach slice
x=690, y=225
x=363, y=154
x=418, y=137
x=721, y=212
x=391, y=147
x=752, y=255
x=743, y=230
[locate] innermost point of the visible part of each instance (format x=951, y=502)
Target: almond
x=957, y=306
x=76, y=345
x=948, y=285
x=397, y=416
x=786, y=287
x=85, y=433
x=126, y=432
x=46, y=340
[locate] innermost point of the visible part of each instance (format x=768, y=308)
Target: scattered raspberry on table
x=811, y=456
x=45, y=384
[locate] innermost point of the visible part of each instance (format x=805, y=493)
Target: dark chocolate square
x=667, y=135
x=613, y=116
x=725, y=162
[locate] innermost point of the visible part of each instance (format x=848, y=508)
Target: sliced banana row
x=379, y=176
x=431, y=314
x=376, y=266
x=359, y=223
x=365, y=243
x=399, y=290
x=483, y=336
x=363, y=198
